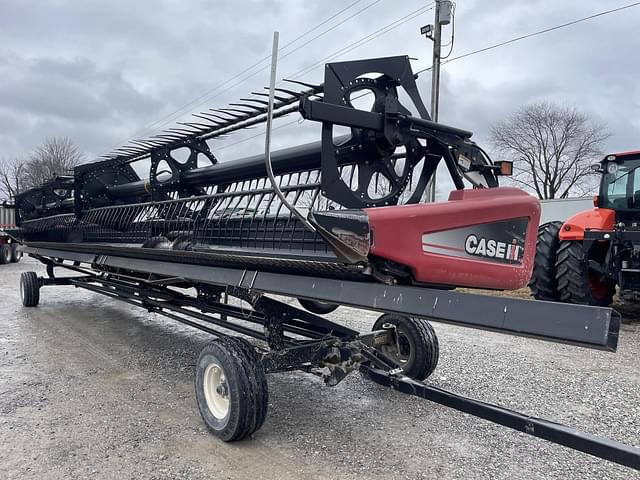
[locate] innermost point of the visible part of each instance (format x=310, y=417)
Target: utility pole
x=434, y=32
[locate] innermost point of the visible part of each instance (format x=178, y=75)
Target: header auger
x=163, y=223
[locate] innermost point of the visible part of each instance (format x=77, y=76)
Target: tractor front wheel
x=577, y=283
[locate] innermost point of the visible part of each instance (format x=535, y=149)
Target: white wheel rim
x=216, y=390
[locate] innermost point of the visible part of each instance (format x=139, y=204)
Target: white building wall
x=563, y=208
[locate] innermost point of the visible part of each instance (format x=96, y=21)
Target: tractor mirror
x=596, y=167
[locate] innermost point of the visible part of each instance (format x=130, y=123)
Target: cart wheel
x=5, y=253
x=16, y=254
x=29, y=289
x=416, y=349
x=315, y=306
x=231, y=388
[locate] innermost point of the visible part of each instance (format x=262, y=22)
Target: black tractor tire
x=29, y=289
x=5, y=253
x=575, y=283
x=543, y=283
x=319, y=308
x=231, y=389
x=16, y=254
x=418, y=344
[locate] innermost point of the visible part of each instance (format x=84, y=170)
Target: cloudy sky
x=100, y=72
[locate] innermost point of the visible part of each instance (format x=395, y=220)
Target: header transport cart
x=9, y=252
x=161, y=224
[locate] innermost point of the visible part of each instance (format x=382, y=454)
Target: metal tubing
x=553, y=432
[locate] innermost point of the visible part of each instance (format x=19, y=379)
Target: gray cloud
x=100, y=72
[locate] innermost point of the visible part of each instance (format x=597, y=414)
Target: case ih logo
x=501, y=242
x=482, y=247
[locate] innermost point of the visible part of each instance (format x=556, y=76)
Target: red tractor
x=583, y=259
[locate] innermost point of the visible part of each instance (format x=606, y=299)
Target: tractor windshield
x=620, y=188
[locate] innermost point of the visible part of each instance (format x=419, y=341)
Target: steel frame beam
x=604, y=448
x=592, y=327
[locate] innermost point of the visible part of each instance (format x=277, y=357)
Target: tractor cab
x=620, y=186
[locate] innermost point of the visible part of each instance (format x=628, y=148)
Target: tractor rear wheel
x=543, y=283
x=576, y=282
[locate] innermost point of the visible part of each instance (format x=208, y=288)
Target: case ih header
x=337, y=222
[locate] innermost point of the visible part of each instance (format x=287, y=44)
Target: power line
x=381, y=31
x=522, y=37
x=167, y=118
x=366, y=39
x=206, y=96
x=330, y=29
x=533, y=34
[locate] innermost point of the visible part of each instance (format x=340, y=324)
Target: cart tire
x=29, y=289
x=262, y=387
x=575, y=283
x=543, y=283
x=5, y=253
x=320, y=308
x=16, y=254
x=418, y=343
x=231, y=389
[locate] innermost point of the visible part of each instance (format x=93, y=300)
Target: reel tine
x=282, y=99
x=194, y=124
x=203, y=115
x=148, y=143
x=128, y=148
x=168, y=137
x=125, y=151
x=226, y=120
x=244, y=112
x=183, y=130
x=263, y=102
x=309, y=85
x=252, y=107
x=296, y=95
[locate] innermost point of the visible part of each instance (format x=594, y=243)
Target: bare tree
x=56, y=156
x=551, y=147
x=11, y=177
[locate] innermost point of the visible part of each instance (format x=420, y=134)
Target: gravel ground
x=93, y=388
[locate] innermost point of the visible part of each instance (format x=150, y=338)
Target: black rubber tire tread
x=572, y=276
x=15, y=254
x=319, y=308
x=29, y=289
x=543, y=283
x=5, y=253
x=260, y=378
x=425, y=343
x=246, y=378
